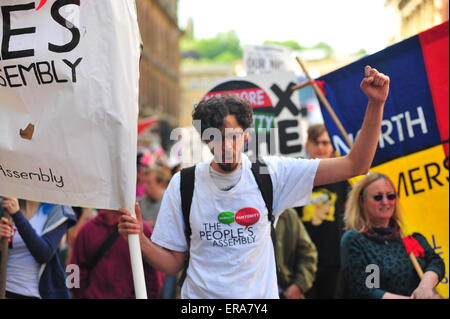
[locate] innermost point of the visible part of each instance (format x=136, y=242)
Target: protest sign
x=279, y=127
x=267, y=58
x=69, y=74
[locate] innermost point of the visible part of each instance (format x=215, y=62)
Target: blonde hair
x=355, y=217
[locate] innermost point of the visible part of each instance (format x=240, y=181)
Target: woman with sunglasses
x=374, y=259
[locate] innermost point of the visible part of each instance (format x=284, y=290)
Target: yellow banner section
x=421, y=180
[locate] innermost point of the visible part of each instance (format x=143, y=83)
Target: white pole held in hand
x=137, y=267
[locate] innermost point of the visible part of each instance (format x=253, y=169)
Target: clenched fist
x=375, y=85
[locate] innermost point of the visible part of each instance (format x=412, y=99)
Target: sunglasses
x=379, y=197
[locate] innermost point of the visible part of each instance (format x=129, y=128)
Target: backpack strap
x=262, y=176
x=264, y=181
x=103, y=249
x=187, y=179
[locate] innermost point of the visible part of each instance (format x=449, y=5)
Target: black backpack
x=187, y=181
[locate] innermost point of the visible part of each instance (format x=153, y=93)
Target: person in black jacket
x=323, y=219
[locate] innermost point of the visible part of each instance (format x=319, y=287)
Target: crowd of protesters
x=309, y=257
x=308, y=243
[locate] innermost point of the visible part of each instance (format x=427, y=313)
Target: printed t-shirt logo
x=232, y=236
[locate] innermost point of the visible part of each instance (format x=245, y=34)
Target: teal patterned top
x=397, y=274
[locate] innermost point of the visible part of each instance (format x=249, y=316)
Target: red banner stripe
x=435, y=52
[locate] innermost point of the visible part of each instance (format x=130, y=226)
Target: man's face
x=321, y=147
x=228, y=147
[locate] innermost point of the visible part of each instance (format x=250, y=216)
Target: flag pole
x=137, y=267
x=413, y=259
x=324, y=101
x=416, y=265
x=3, y=263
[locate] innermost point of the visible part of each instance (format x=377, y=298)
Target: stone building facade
x=413, y=16
x=159, y=88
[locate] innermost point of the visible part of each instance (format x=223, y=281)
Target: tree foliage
x=224, y=47
x=289, y=43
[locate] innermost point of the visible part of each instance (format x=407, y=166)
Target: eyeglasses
x=379, y=197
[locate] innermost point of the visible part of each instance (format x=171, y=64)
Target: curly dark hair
x=211, y=112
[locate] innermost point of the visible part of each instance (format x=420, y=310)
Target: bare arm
x=376, y=86
x=165, y=260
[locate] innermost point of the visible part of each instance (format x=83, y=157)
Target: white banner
x=69, y=73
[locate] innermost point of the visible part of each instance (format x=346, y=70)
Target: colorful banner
x=69, y=73
x=413, y=145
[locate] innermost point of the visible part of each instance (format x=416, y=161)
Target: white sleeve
x=293, y=181
x=169, y=228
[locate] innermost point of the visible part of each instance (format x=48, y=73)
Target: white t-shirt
x=23, y=269
x=231, y=253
